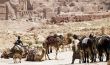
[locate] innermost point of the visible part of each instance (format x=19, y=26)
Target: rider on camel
x=18, y=44
x=18, y=41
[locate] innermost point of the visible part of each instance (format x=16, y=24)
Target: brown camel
x=40, y=54
x=5, y=54
x=53, y=41
x=17, y=55
x=17, y=52
x=67, y=41
x=36, y=54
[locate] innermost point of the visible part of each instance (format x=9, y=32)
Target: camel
x=17, y=52
x=24, y=54
x=36, y=54
x=17, y=55
x=30, y=55
x=5, y=54
x=53, y=41
x=67, y=41
x=40, y=54
x=88, y=45
x=103, y=45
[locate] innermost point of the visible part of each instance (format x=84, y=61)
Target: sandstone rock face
x=3, y=1
x=77, y=6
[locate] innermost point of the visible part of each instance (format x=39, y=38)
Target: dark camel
x=53, y=41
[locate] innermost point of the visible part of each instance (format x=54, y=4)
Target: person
x=18, y=45
x=76, y=49
x=18, y=42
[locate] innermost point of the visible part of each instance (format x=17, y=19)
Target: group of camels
x=83, y=48
x=38, y=52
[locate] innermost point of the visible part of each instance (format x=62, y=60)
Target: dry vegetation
x=10, y=29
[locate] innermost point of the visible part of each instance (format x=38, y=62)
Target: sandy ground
x=64, y=58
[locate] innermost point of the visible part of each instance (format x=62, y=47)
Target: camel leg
x=94, y=55
x=45, y=56
x=48, y=57
x=100, y=55
x=15, y=61
x=47, y=53
x=87, y=57
x=63, y=48
x=50, y=50
x=81, y=57
x=107, y=55
x=20, y=59
x=14, y=58
x=56, y=53
x=91, y=55
x=84, y=59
